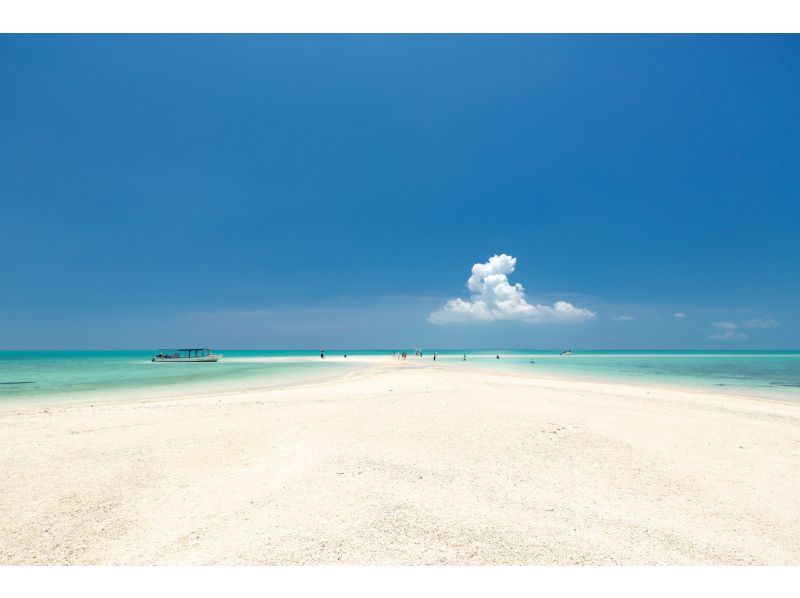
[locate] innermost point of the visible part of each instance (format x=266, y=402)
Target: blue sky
x=306, y=191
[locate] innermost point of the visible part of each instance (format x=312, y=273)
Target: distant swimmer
x=434, y=356
x=345, y=355
x=465, y=357
x=322, y=354
x=497, y=357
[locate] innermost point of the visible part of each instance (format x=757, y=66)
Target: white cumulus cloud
x=624, y=318
x=727, y=332
x=495, y=298
x=761, y=323
x=679, y=314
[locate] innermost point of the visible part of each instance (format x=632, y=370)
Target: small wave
x=25, y=382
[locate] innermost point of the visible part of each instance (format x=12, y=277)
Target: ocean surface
x=27, y=376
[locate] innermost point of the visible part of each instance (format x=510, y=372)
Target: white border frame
x=400, y=16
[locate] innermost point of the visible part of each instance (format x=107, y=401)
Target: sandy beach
x=405, y=463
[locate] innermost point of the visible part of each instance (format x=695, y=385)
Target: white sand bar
x=405, y=464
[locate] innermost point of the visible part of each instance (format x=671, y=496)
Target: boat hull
x=206, y=359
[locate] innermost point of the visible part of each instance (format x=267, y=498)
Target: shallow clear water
x=95, y=375
x=71, y=375
x=771, y=374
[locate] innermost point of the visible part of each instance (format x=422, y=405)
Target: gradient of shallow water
x=770, y=374
x=71, y=375
x=94, y=375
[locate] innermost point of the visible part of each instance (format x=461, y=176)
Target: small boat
x=187, y=356
x=566, y=352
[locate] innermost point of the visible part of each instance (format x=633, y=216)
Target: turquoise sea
x=767, y=374
x=97, y=375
